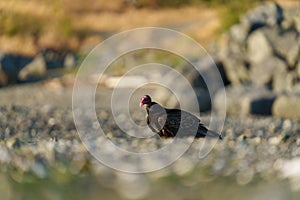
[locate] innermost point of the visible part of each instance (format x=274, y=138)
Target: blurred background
x=255, y=45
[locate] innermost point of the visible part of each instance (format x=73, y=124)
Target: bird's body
x=166, y=122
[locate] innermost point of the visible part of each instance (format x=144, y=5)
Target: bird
x=166, y=122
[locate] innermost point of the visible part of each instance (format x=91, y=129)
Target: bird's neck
x=149, y=106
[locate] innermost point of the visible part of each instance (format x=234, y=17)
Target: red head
x=146, y=100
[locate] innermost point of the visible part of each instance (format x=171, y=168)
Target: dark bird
x=166, y=122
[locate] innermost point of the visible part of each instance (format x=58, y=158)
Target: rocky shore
x=39, y=144
x=43, y=157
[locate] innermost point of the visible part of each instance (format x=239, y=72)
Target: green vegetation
x=66, y=27
x=12, y=23
x=84, y=23
x=144, y=56
x=16, y=23
x=230, y=10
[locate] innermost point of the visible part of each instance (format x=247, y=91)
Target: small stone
x=4, y=155
x=51, y=121
x=13, y=143
x=69, y=61
x=256, y=140
x=39, y=170
x=287, y=124
x=274, y=140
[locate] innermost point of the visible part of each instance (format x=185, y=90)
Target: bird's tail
x=210, y=133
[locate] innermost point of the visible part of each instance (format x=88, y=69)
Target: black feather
x=166, y=122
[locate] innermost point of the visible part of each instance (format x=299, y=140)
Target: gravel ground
x=42, y=156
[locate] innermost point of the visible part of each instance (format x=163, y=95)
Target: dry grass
x=73, y=23
x=133, y=18
x=28, y=25
x=288, y=3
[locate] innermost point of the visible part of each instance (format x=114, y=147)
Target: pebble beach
x=41, y=150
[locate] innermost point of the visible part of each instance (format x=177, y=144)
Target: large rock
x=243, y=100
x=268, y=14
x=233, y=101
x=280, y=77
x=232, y=54
x=262, y=73
x=296, y=89
x=239, y=33
x=270, y=72
x=209, y=65
x=258, y=47
x=291, y=19
x=284, y=43
x=235, y=68
x=287, y=106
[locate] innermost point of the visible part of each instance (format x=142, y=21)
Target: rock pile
x=259, y=63
x=261, y=57
x=18, y=68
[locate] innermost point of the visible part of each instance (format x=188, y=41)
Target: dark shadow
x=262, y=106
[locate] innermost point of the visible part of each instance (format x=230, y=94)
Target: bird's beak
x=141, y=104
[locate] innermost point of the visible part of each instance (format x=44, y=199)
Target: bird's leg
x=163, y=133
x=167, y=133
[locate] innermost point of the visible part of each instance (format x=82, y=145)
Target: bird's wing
x=186, y=121
x=179, y=116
